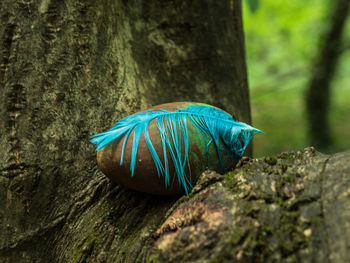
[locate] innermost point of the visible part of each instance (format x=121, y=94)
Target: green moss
x=233, y=173
x=268, y=170
x=280, y=202
x=283, y=167
x=104, y=205
x=271, y=160
x=116, y=233
x=286, y=156
x=154, y=257
x=290, y=178
x=230, y=181
x=267, y=229
x=142, y=253
x=139, y=258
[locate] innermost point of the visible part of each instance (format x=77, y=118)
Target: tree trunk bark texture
x=289, y=208
x=69, y=69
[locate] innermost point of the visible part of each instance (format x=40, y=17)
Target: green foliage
x=282, y=39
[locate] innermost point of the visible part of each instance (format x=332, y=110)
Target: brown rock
x=145, y=178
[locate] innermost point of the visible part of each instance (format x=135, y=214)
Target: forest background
x=282, y=40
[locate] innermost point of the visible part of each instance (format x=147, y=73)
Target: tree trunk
x=70, y=69
x=289, y=208
x=318, y=94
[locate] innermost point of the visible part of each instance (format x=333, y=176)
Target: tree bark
x=70, y=69
x=319, y=93
x=289, y=208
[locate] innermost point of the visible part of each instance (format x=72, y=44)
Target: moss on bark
x=70, y=69
x=293, y=209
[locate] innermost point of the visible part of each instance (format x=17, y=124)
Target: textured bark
x=72, y=68
x=289, y=208
x=318, y=96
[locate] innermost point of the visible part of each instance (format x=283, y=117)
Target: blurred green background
x=282, y=39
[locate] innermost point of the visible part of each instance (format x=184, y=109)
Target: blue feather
x=211, y=123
